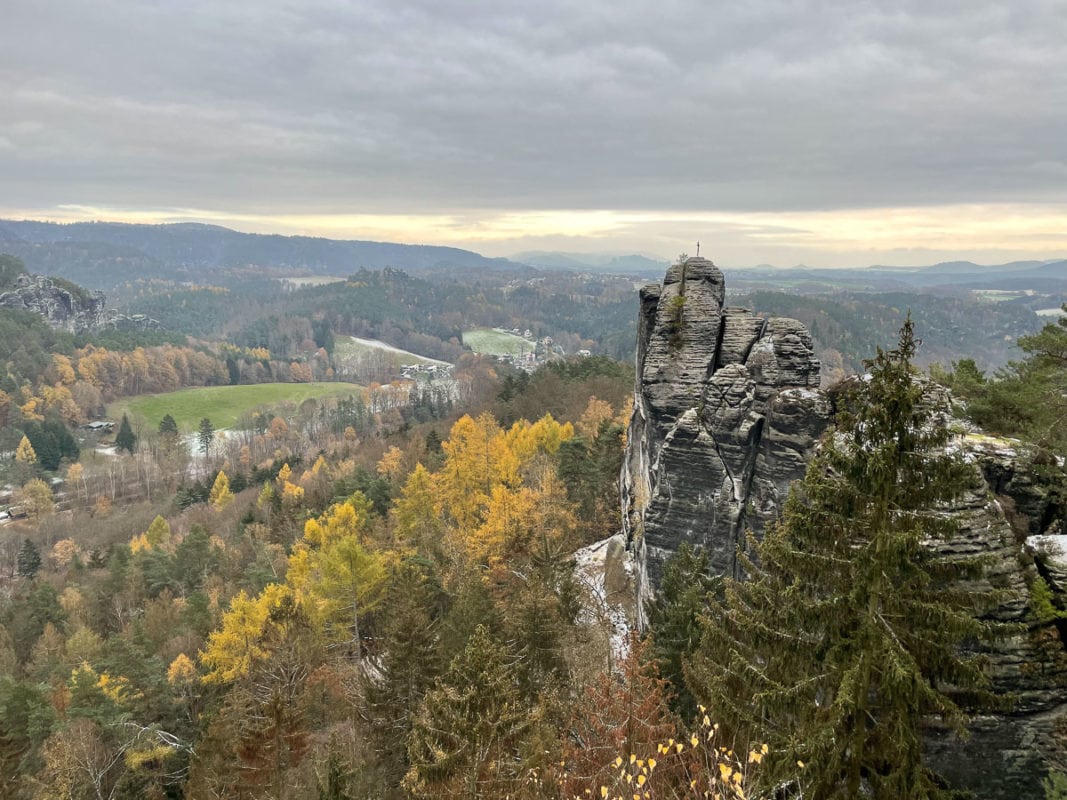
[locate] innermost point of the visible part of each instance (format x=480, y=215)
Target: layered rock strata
x=726, y=410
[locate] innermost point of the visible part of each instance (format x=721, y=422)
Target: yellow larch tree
x=62, y=371
x=391, y=464
x=544, y=436
x=596, y=413
x=415, y=519
x=333, y=575
x=157, y=536
x=477, y=457
x=24, y=453
x=232, y=648
x=221, y=496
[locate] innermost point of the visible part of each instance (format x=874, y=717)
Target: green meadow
x=222, y=404
x=496, y=343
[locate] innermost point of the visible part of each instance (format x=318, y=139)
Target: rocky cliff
x=727, y=409
x=69, y=307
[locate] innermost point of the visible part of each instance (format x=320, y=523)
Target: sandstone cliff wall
x=727, y=410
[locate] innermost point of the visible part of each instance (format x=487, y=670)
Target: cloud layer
x=325, y=108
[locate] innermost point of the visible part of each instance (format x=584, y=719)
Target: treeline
x=1027, y=398
x=425, y=316
x=348, y=616
x=848, y=326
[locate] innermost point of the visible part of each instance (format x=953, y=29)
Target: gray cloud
x=384, y=106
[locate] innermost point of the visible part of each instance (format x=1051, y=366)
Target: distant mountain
x=593, y=262
x=1044, y=275
x=102, y=254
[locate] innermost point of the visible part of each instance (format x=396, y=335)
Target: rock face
x=726, y=409
x=68, y=307
x=1009, y=752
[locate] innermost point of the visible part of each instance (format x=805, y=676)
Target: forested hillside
x=306, y=609
x=414, y=313
x=849, y=326
x=103, y=255
x=372, y=592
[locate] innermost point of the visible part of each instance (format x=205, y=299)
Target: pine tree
x=28, y=561
x=205, y=435
x=1025, y=398
x=125, y=439
x=168, y=426
x=674, y=619
x=847, y=636
x=465, y=734
x=411, y=662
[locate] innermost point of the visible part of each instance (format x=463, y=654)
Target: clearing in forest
x=496, y=343
x=222, y=404
x=351, y=351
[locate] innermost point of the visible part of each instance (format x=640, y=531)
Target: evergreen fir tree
x=28, y=560
x=674, y=619
x=125, y=439
x=847, y=636
x=433, y=442
x=335, y=782
x=411, y=662
x=168, y=426
x=205, y=435
x=463, y=740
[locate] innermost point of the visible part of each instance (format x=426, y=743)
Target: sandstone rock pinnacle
x=726, y=407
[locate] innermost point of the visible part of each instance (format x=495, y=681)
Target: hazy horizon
x=837, y=135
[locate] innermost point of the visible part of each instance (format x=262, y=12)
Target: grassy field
x=496, y=343
x=221, y=404
x=351, y=350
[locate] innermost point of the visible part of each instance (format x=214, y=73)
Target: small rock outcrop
x=726, y=409
x=69, y=307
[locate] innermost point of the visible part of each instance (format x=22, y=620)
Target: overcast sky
x=783, y=131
